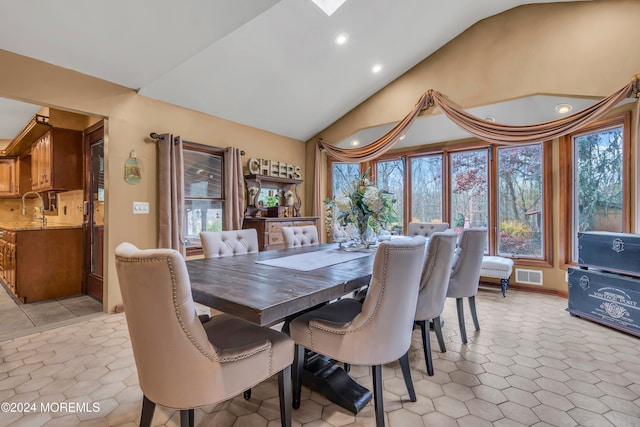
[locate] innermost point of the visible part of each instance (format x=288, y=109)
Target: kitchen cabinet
x=42, y=263
x=8, y=177
x=56, y=161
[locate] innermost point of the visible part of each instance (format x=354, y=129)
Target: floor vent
x=529, y=277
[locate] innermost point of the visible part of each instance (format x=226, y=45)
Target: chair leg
x=376, y=372
x=474, y=315
x=463, y=331
x=406, y=374
x=437, y=327
x=186, y=418
x=426, y=345
x=298, y=365
x=148, y=407
x=284, y=390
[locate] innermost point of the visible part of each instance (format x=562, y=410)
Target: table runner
x=313, y=260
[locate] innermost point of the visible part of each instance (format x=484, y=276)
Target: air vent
x=529, y=277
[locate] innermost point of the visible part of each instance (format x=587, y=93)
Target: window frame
x=193, y=146
x=445, y=150
x=567, y=166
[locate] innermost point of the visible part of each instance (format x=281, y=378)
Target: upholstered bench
x=498, y=268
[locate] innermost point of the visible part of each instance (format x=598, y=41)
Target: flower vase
x=368, y=236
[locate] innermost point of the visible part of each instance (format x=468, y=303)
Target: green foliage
x=515, y=228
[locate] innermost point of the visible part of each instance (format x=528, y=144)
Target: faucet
x=24, y=206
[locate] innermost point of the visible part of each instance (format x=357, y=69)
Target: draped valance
x=487, y=131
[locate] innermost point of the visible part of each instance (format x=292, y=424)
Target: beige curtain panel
x=234, y=189
x=487, y=131
x=170, y=193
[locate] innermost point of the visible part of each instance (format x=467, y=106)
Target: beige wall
x=581, y=48
x=130, y=119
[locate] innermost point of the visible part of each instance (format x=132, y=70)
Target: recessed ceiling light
x=402, y=137
x=355, y=142
x=490, y=119
x=563, y=108
x=341, y=39
x=328, y=6
x=376, y=68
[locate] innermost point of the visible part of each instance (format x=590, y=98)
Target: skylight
x=328, y=6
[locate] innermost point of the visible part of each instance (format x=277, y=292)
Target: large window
x=520, y=198
x=390, y=177
x=426, y=189
x=469, y=189
x=598, y=197
x=203, y=192
x=342, y=175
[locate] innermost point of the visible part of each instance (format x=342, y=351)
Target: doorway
x=93, y=211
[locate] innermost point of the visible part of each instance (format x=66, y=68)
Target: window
x=598, y=197
x=390, y=177
x=469, y=189
x=203, y=192
x=426, y=188
x=342, y=175
x=520, y=198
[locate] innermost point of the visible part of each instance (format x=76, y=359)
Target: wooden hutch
x=268, y=221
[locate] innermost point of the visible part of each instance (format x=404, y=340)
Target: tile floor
x=532, y=364
x=17, y=319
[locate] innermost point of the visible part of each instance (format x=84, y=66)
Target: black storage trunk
x=607, y=298
x=616, y=252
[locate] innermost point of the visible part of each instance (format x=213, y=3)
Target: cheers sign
x=274, y=168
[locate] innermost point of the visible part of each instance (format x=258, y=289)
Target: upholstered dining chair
x=465, y=274
x=426, y=229
x=182, y=363
x=374, y=332
x=433, y=290
x=295, y=237
x=228, y=243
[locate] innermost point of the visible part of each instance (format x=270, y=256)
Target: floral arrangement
x=363, y=204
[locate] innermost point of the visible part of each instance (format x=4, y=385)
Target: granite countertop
x=34, y=225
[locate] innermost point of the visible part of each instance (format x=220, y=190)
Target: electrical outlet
x=141, y=208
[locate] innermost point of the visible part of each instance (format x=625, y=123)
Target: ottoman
x=498, y=268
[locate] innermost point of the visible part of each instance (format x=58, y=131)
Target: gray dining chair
x=433, y=290
x=295, y=237
x=426, y=229
x=465, y=274
x=374, y=332
x=229, y=242
x=182, y=363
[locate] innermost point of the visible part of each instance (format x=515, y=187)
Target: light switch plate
x=141, y=208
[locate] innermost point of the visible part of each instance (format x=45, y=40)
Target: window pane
x=598, y=182
x=202, y=174
x=520, y=201
x=201, y=215
x=426, y=189
x=390, y=177
x=469, y=195
x=342, y=175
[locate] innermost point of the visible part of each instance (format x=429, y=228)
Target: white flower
x=343, y=203
x=372, y=199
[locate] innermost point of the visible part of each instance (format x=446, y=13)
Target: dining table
x=272, y=287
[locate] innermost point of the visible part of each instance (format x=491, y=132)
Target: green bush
x=515, y=228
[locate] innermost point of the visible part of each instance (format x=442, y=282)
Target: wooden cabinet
x=42, y=264
x=56, y=161
x=270, y=229
x=8, y=177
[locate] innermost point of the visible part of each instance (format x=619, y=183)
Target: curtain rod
x=155, y=136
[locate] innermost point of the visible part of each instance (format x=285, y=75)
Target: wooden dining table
x=267, y=295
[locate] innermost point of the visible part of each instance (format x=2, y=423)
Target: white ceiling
x=270, y=64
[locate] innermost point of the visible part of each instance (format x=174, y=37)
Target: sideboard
x=270, y=229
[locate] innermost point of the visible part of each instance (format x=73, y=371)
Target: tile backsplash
x=68, y=203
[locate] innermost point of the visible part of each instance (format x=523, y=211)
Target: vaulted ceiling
x=269, y=64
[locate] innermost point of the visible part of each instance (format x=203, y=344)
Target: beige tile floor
x=531, y=364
